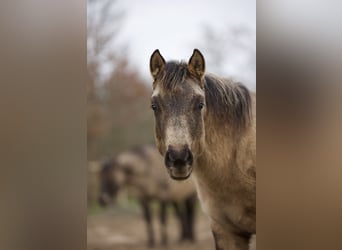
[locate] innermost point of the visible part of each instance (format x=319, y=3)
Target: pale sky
x=176, y=28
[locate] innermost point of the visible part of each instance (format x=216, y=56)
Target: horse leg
x=163, y=205
x=226, y=240
x=190, y=217
x=181, y=218
x=148, y=218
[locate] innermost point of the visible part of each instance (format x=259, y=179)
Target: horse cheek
x=196, y=127
x=159, y=136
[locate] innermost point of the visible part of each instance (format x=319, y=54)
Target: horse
x=205, y=127
x=140, y=170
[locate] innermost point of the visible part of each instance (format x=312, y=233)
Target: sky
x=177, y=27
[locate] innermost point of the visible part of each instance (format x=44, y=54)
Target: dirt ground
x=127, y=231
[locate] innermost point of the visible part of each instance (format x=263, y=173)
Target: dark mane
x=174, y=73
x=230, y=101
x=108, y=165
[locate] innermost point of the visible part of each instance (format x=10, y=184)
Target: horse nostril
x=186, y=156
x=170, y=156
x=169, y=160
x=189, y=157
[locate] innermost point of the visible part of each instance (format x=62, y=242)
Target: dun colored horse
x=140, y=169
x=205, y=126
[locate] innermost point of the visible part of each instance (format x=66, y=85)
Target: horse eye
x=200, y=105
x=154, y=106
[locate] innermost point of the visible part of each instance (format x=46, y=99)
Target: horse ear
x=196, y=64
x=157, y=63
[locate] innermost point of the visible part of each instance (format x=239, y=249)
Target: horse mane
x=174, y=73
x=228, y=100
x=108, y=164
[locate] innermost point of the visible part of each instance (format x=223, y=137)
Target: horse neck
x=220, y=147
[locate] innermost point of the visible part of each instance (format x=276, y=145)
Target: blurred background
x=43, y=144
x=121, y=36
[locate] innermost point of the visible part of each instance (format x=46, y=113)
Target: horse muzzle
x=180, y=174
x=179, y=162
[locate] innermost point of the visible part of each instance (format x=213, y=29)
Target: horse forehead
x=197, y=89
x=181, y=90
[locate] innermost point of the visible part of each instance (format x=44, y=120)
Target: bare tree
x=118, y=105
x=231, y=52
x=103, y=22
x=103, y=25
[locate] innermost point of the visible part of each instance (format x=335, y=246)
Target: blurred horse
x=140, y=169
x=206, y=125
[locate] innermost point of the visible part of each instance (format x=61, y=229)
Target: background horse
x=140, y=170
x=206, y=125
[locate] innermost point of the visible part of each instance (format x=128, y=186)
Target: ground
x=126, y=230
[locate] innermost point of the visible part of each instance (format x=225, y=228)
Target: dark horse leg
x=190, y=206
x=182, y=220
x=163, y=205
x=148, y=218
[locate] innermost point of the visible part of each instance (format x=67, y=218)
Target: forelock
x=174, y=74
